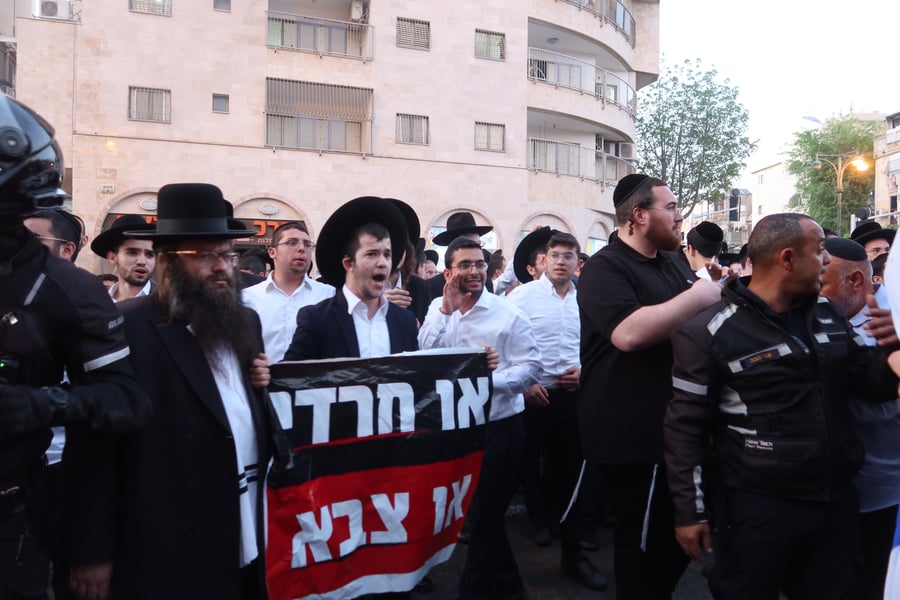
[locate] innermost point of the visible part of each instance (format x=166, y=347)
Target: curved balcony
x=612, y=12
x=574, y=160
x=565, y=71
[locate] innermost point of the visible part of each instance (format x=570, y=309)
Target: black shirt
x=624, y=394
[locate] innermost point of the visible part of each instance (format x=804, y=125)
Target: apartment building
x=887, y=171
x=521, y=112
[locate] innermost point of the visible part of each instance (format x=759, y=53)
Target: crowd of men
x=747, y=422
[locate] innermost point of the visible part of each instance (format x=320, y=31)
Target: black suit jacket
x=326, y=330
x=171, y=495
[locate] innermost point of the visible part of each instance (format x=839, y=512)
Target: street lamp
x=857, y=161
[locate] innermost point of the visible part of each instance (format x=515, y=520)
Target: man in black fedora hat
x=177, y=510
x=358, y=247
x=459, y=224
x=529, y=260
x=874, y=238
x=133, y=260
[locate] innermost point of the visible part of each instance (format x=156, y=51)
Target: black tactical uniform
x=54, y=318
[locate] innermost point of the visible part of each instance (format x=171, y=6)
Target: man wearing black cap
x=704, y=243
x=458, y=224
x=61, y=231
x=760, y=388
x=178, y=511
x=848, y=283
x=632, y=294
x=133, y=260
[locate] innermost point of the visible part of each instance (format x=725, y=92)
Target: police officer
x=54, y=318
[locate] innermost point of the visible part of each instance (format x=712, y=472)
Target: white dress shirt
x=492, y=321
x=371, y=334
x=278, y=311
x=145, y=291
x=556, y=324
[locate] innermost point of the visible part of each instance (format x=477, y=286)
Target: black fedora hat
x=109, y=240
x=191, y=211
x=530, y=243
x=872, y=231
x=458, y=224
x=340, y=225
x=413, y=227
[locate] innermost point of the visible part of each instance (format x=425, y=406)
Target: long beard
x=663, y=238
x=216, y=314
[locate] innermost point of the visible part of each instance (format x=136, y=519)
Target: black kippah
x=845, y=248
x=626, y=186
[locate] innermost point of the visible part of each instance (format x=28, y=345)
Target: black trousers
x=764, y=545
x=24, y=559
x=648, y=561
x=551, y=465
x=876, y=539
x=491, y=571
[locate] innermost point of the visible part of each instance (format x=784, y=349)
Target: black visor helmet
x=31, y=167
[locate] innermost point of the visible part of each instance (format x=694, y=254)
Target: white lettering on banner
x=455, y=412
x=315, y=535
x=445, y=514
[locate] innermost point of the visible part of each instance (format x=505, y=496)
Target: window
x=490, y=136
x=222, y=5
x=149, y=104
x=760, y=178
x=489, y=44
x=412, y=129
x=153, y=7
x=318, y=116
x=412, y=33
x=220, y=103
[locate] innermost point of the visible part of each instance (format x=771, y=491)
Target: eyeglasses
x=294, y=243
x=566, y=256
x=50, y=239
x=674, y=209
x=208, y=259
x=467, y=265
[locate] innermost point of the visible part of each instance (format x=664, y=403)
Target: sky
x=792, y=58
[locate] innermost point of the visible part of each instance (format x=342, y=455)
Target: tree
x=817, y=189
x=692, y=133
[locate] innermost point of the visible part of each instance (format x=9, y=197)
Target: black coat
x=325, y=330
x=174, y=511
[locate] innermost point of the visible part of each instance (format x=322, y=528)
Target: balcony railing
x=564, y=158
x=566, y=71
x=611, y=11
x=319, y=36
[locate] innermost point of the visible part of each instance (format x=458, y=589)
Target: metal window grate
x=412, y=33
x=490, y=136
x=412, y=129
x=149, y=104
x=153, y=7
x=490, y=44
x=220, y=103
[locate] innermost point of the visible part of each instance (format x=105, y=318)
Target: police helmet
x=31, y=166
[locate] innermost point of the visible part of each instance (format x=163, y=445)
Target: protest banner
x=386, y=457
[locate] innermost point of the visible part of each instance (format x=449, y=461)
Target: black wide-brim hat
x=872, y=231
x=458, y=224
x=112, y=238
x=531, y=242
x=191, y=211
x=336, y=232
x=413, y=227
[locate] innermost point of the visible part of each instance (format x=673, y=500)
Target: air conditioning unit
x=52, y=9
x=356, y=11
x=627, y=151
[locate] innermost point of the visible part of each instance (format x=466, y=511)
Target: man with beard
x=632, y=294
x=468, y=316
x=133, y=260
x=180, y=515
x=288, y=288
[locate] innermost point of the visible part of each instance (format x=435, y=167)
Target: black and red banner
x=386, y=456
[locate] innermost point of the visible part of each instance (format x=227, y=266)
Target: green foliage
x=817, y=189
x=692, y=133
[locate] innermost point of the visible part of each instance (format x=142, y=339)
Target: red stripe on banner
x=371, y=531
